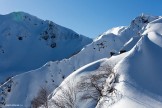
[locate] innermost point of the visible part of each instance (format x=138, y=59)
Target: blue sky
x=87, y=17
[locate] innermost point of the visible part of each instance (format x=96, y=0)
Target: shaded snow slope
x=27, y=43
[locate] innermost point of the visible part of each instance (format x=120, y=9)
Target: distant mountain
x=27, y=43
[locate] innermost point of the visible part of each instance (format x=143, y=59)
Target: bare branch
x=41, y=99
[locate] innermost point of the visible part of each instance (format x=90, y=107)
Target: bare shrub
x=65, y=97
x=89, y=87
x=41, y=99
x=93, y=84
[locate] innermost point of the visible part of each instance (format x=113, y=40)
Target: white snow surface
x=139, y=69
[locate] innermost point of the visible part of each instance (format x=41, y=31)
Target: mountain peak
x=144, y=19
x=19, y=17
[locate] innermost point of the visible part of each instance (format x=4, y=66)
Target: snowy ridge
x=53, y=73
x=139, y=76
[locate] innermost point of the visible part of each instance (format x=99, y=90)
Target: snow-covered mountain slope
x=81, y=82
x=53, y=73
x=132, y=42
x=135, y=80
x=27, y=43
x=140, y=75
